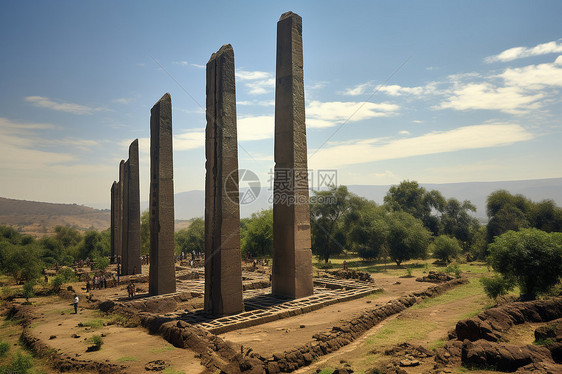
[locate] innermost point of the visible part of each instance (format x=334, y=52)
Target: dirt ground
x=133, y=347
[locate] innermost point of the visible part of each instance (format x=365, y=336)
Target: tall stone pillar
x=119, y=216
x=223, y=263
x=131, y=263
x=162, y=278
x=114, y=217
x=125, y=219
x=292, y=256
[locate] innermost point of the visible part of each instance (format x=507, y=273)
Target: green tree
x=506, y=212
x=407, y=237
x=409, y=197
x=546, y=216
x=28, y=290
x=92, y=245
x=24, y=263
x=530, y=258
x=326, y=217
x=366, y=228
x=258, y=235
x=445, y=248
x=456, y=221
x=67, y=236
x=192, y=238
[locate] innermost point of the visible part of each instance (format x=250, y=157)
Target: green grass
x=472, y=288
x=170, y=370
x=163, y=349
x=327, y=371
x=94, y=323
x=400, y=330
x=127, y=359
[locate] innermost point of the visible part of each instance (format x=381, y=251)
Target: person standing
x=75, y=304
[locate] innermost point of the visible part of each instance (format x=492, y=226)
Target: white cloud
x=396, y=90
x=189, y=140
x=521, y=52
x=535, y=77
x=255, y=128
x=404, y=132
x=462, y=138
x=186, y=63
x=124, y=100
x=360, y=89
x=392, y=90
x=338, y=111
x=45, y=102
x=258, y=82
x=487, y=96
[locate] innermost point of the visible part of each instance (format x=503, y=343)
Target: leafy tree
x=530, y=258
x=23, y=263
x=145, y=233
x=366, y=228
x=445, y=248
x=67, y=236
x=258, y=234
x=456, y=221
x=409, y=197
x=192, y=238
x=92, y=246
x=479, y=246
x=546, y=216
x=407, y=237
x=101, y=262
x=496, y=286
x=28, y=290
x=326, y=218
x=506, y=212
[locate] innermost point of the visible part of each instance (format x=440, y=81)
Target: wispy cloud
x=462, y=138
x=255, y=128
x=339, y=111
x=186, y=63
x=62, y=106
x=258, y=82
x=391, y=90
x=522, y=52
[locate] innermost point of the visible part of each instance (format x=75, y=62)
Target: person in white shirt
x=75, y=304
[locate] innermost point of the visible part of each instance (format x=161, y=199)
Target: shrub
x=530, y=258
x=20, y=365
x=445, y=248
x=101, y=263
x=4, y=348
x=28, y=290
x=67, y=275
x=496, y=286
x=97, y=342
x=57, y=282
x=454, y=269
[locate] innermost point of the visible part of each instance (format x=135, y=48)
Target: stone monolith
x=114, y=217
x=223, y=264
x=131, y=262
x=292, y=256
x=162, y=277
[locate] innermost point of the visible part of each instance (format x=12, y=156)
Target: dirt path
x=133, y=347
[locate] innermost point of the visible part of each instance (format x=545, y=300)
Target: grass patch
x=163, y=349
x=327, y=371
x=170, y=370
x=400, y=330
x=470, y=289
x=94, y=323
x=440, y=343
x=127, y=359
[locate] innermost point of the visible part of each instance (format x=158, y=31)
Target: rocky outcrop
x=435, y=277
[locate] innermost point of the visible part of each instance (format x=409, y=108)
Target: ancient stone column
x=125, y=220
x=162, y=278
x=292, y=257
x=119, y=229
x=223, y=263
x=131, y=257
x=113, y=224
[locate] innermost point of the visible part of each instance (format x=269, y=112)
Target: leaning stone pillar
x=162, y=278
x=131, y=257
x=292, y=256
x=119, y=230
x=223, y=263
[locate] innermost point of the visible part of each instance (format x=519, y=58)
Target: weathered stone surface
x=125, y=216
x=223, y=267
x=161, y=203
x=292, y=257
x=114, y=218
x=131, y=263
x=119, y=228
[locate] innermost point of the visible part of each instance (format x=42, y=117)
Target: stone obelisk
x=223, y=264
x=162, y=277
x=113, y=230
x=292, y=256
x=119, y=229
x=131, y=263
x=125, y=219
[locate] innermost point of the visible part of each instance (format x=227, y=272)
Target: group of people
x=99, y=282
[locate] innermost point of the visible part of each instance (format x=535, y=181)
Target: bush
x=97, y=342
x=445, y=248
x=4, y=348
x=67, y=275
x=20, y=365
x=28, y=290
x=454, y=269
x=496, y=286
x=57, y=282
x=101, y=263
x=530, y=258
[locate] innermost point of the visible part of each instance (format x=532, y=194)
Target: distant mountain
x=38, y=218
x=192, y=203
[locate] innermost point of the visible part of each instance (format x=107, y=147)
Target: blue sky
x=433, y=91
